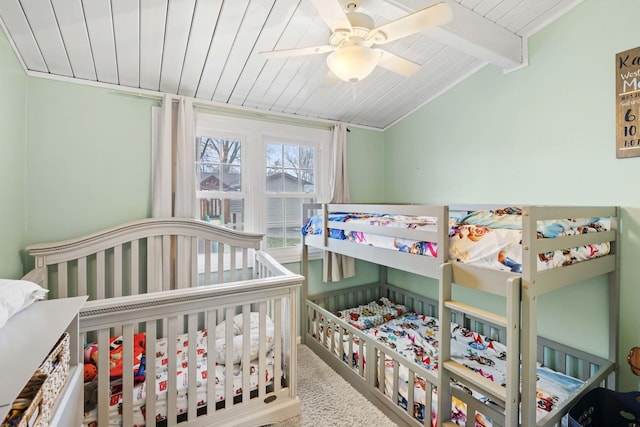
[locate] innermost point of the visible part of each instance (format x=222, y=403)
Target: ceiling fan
x=352, y=54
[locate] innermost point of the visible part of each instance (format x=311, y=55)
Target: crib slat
x=185, y=261
x=262, y=350
x=211, y=358
x=134, y=266
x=220, y=263
x=232, y=263
x=180, y=267
x=194, y=262
x=117, y=271
x=103, y=378
x=172, y=388
x=245, y=266
x=150, y=381
x=192, y=355
x=277, y=350
x=127, y=375
x=100, y=271
x=166, y=266
x=82, y=276
x=207, y=262
x=246, y=345
x=63, y=279
x=228, y=367
x=152, y=269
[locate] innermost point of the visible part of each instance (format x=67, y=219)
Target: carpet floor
x=328, y=400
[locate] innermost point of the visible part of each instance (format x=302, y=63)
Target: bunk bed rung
x=483, y=384
x=477, y=312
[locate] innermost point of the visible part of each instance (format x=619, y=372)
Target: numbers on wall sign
x=629, y=130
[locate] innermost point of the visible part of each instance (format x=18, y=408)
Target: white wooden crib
x=156, y=287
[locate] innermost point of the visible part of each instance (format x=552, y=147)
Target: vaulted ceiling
x=210, y=50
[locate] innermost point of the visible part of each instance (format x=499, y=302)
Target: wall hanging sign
x=628, y=103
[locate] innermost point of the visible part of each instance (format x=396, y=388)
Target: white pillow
x=4, y=316
x=15, y=295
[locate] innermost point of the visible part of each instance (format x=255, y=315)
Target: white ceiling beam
x=479, y=37
x=470, y=33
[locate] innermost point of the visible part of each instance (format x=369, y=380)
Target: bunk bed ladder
x=507, y=396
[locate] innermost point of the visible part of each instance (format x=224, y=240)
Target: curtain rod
x=145, y=93
x=225, y=108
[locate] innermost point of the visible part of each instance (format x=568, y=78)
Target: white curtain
x=161, y=163
x=174, y=180
x=185, y=186
x=173, y=160
x=337, y=266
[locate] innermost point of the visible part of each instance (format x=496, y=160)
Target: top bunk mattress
x=493, y=238
x=489, y=238
x=408, y=222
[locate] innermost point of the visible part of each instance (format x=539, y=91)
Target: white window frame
x=254, y=135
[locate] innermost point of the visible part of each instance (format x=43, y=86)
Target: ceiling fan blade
x=333, y=14
x=431, y=16
x=397, y=64
x=301, y=51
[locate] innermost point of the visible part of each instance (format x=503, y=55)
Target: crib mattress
x=205, y=362
x=140, y=395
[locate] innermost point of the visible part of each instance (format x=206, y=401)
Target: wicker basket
x=56, y=369
x=33, y=406
x=29, y=409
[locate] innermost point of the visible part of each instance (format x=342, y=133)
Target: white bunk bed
x=521, y=290
x=201, y=301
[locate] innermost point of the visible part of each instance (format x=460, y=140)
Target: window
x=255, y=175
x=289, y=181
x=219, y=180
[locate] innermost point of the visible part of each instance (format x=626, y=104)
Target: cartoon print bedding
x=488, y=238
x=372, y=314
x=203, y=357
x=414, y=336
x=314, y=226
x=493, y=238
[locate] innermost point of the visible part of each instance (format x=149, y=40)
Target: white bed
x=154, y=287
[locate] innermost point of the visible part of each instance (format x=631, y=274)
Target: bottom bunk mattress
x=413, y=336
x=206, y=362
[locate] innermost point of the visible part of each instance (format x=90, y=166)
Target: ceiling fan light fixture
x=352, y=63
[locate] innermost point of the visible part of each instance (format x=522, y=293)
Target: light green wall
x=88, y=157
x=365, y=165
x=365, y=158
x=12, y=161
x=543, y=134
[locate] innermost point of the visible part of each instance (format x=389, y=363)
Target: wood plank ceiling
x=209, y=50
